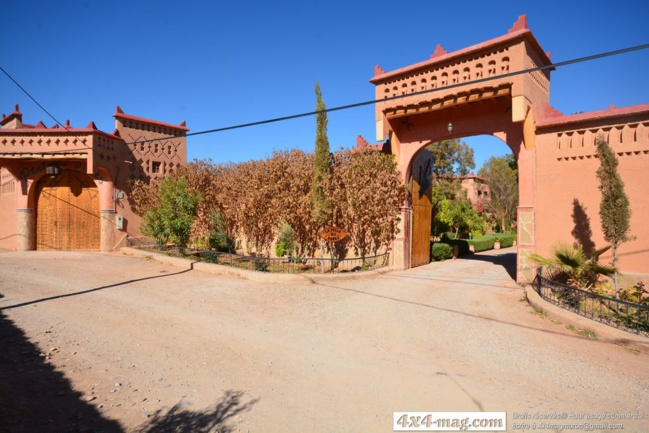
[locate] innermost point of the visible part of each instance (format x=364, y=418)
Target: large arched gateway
x=555, y=153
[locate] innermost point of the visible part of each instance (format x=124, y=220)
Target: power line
x=42, y=108
x=372, y=101
x=422, y=92
x=32, y=98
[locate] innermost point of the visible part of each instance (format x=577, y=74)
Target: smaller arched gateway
x=66, y=188
x=494, y=88
x=67, y=212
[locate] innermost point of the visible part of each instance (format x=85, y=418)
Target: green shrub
x=171, y=220
x=219, y=237
x=280, y=251
x=483, y=244
x=441, y=251
x=447, y=235
x=506, y=239
x=286, y=243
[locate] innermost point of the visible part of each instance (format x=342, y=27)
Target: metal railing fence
x=617, y=313
x=291, y=265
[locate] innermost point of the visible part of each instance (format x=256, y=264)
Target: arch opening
x=449, y=196
x=67, y=212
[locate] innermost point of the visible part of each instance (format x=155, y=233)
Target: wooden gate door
x=421, y=217
x=67, y=213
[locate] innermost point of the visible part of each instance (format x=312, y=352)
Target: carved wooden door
x=67, y=213
x=420, y=188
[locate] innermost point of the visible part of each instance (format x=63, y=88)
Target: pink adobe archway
x=556, y=154
x=489, y=118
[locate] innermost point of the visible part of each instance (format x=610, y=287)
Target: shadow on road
x=83, y=292
x=213, y=419
x=34, y=396
x=506, y=260
x=448, y=310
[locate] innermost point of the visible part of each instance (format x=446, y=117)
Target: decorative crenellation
x=594, y=156
x=158, y=129
x=439, y=51
x=615, y=134
x=486, y=65
x=47, y=141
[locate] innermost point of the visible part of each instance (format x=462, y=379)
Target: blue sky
x=216, y=64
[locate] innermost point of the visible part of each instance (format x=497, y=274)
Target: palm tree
x=570, y=264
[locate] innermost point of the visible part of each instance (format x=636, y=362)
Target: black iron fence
x=294, y=265
x=613, y=312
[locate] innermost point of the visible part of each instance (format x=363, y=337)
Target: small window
x=155, y=167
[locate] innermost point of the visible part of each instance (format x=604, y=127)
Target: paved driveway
x=120, y=343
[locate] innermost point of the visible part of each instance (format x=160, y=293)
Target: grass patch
x=588, y=333
x=539, y=312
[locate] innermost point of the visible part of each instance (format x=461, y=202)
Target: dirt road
x=106, y=342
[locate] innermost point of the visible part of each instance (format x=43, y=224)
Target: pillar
x=107, y=215
x=401, y=244
x=26, y=230
x=107, y=227
x=526, y=239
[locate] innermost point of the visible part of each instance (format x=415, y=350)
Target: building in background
x=67, y=188
x=477, y=191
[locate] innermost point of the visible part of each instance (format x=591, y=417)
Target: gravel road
x=112, y=343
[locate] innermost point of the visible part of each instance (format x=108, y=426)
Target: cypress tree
x=322, y=208
x=614, y=210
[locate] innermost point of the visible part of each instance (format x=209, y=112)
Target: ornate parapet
x=450, y=78
x=574, y=137
x=156, y=148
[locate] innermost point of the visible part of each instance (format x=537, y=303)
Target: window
x=155, y=167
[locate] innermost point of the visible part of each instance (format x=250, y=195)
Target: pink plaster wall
x=566, y=172
x=141, y=156
x=8, y=192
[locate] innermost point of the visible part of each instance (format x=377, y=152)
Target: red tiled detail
x=360, y=141
x=520, y=24
x=455, y=55
x=439, y=51
x=119, y=114
x=593, y=115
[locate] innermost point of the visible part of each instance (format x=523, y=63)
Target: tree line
x=249, y=203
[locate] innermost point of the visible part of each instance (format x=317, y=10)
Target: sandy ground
x=111, y=343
